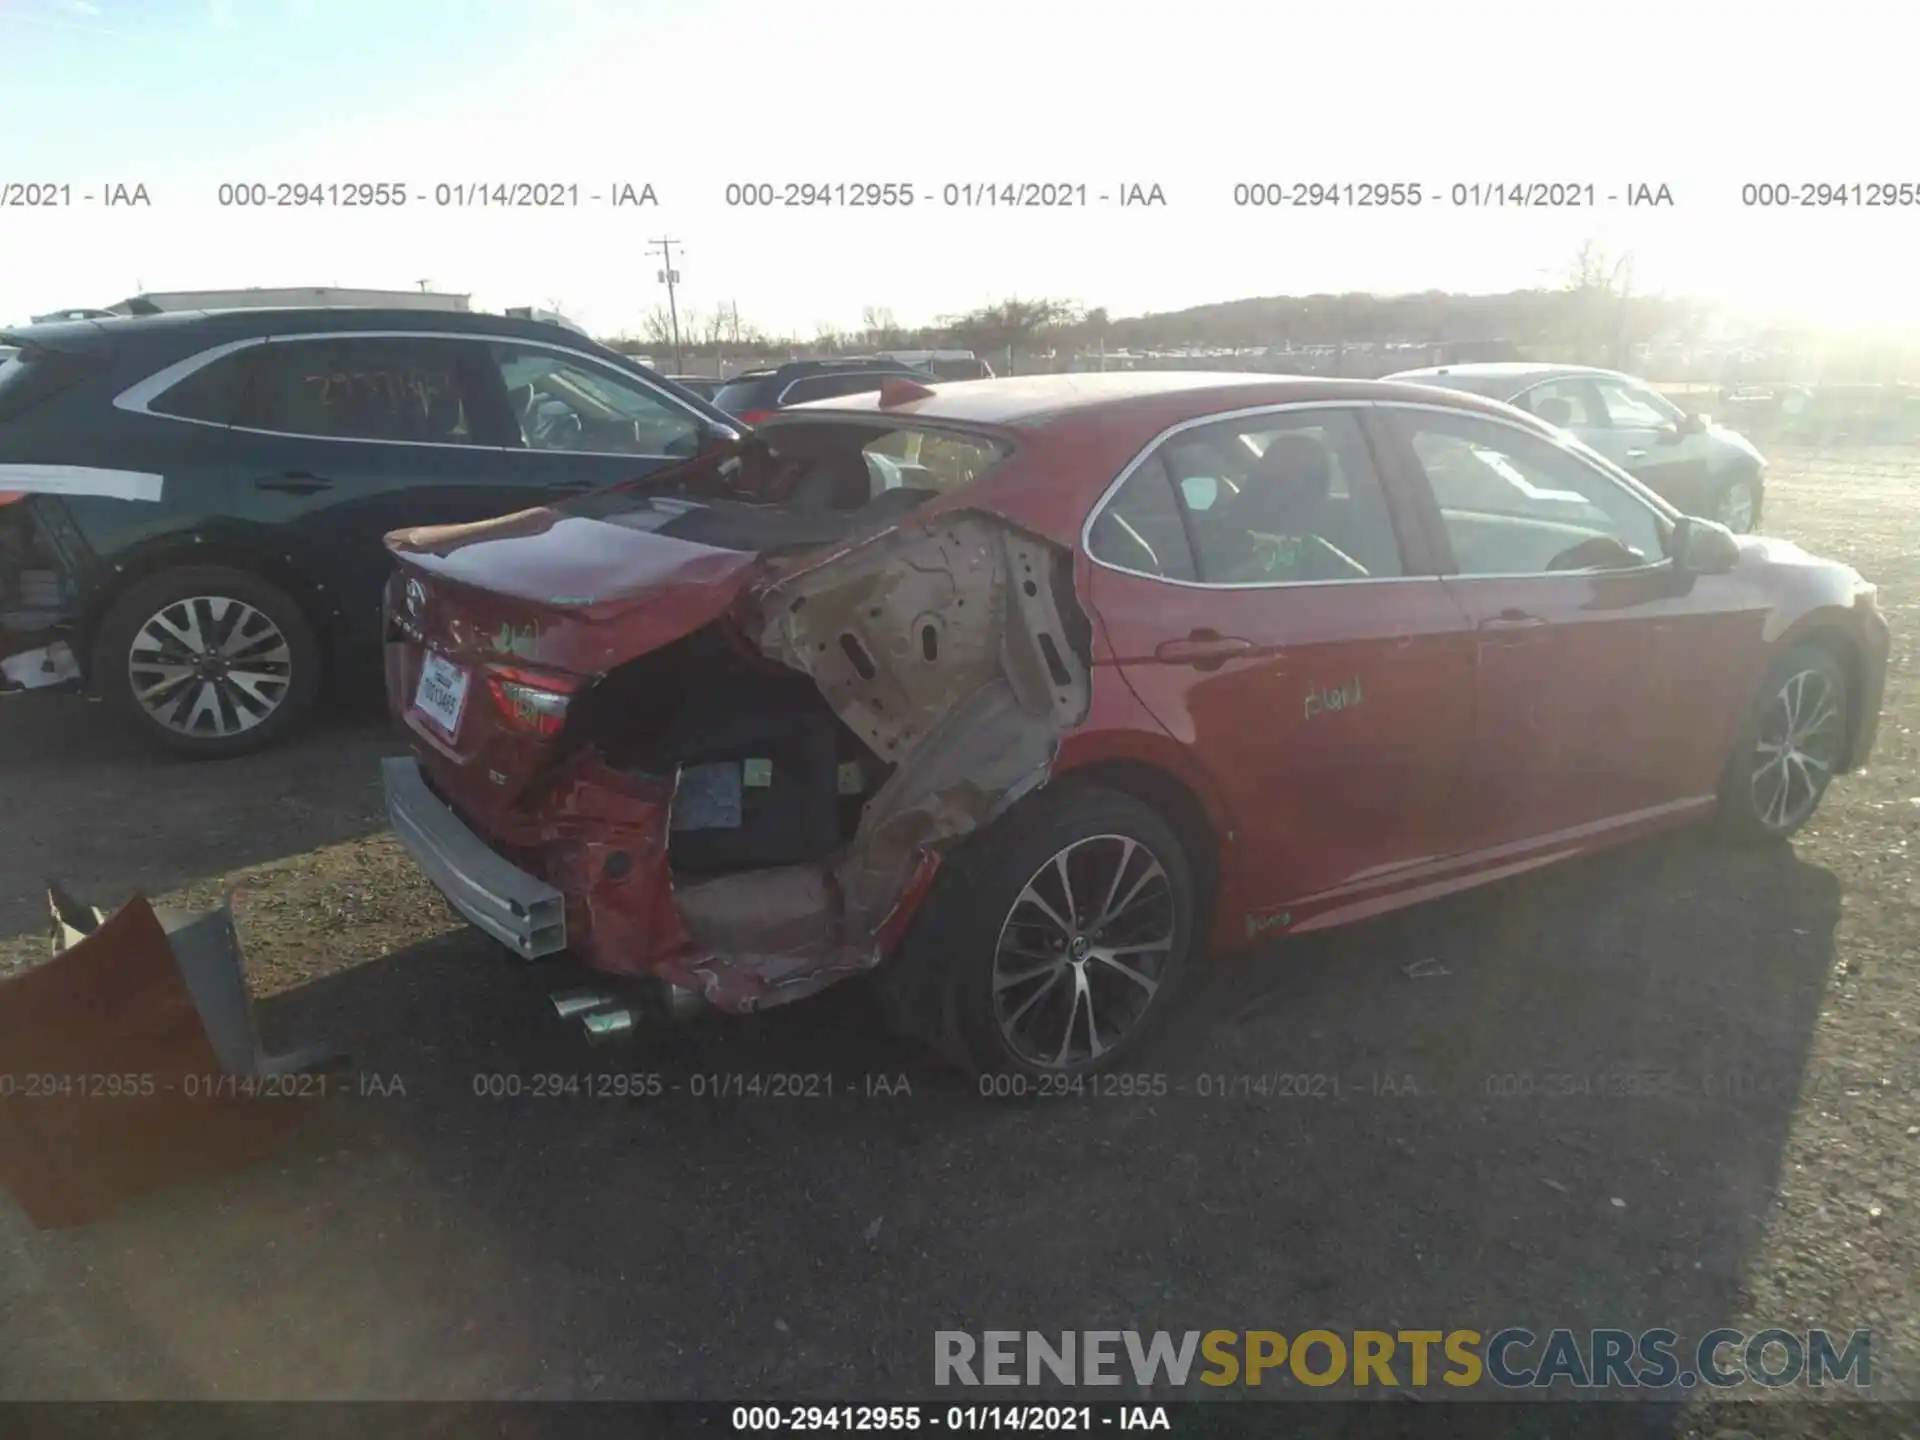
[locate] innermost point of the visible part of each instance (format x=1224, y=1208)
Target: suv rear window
x=741, y=394
x=826, y=387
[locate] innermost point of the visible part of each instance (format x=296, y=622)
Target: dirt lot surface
x=1745, y=1154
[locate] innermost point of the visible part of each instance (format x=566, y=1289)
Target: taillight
x=530, y=700
x=753, y=417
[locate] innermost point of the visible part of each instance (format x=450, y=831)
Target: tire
x=1736, y=502
x=202, y=711
x=1000, y=887
x=1803, y=703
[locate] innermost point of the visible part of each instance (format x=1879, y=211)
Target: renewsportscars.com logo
x=1513, y=1358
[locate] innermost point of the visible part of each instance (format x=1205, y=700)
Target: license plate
x=442, y=693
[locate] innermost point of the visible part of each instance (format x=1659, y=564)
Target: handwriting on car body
x=1321, y=699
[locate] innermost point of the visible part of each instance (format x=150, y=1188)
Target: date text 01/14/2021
x=953, y=195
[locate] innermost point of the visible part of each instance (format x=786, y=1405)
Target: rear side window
x=352, y=388
x=36, y=375
x=1141, y=528
x=211, y=393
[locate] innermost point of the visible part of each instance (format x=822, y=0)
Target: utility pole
x=423, y=286
x=670, y=277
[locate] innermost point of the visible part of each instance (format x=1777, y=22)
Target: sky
x=691, y=96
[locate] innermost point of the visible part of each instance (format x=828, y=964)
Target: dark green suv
x=192, y=505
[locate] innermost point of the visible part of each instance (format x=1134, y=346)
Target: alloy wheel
x=1082, y=952
x=1798, y=747
x=209, y=666
x=1736, y=507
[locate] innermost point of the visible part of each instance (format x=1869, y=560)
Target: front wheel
x=1063, y=934
x=1736, y=503
x=1789, y=747
x=208, y=661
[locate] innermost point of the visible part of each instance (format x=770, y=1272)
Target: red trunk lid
x=516, y=616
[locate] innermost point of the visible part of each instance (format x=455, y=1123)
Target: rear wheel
x=1789, y=747
x=208, y=661
x=1059, y=940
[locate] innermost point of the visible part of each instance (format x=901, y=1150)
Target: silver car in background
x=1702, y=468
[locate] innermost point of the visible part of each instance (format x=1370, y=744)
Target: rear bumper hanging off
x=522, y=912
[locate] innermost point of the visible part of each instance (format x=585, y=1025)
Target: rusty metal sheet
x=129, y=1061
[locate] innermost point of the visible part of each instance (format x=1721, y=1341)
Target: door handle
x=1513, y=620
x=294, y=482
x=1203, y=649
x=1636, y=454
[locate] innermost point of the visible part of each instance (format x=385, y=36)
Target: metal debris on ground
x=130, y=1060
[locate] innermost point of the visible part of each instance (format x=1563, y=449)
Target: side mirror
x=1691, y=423
x=1702, y=547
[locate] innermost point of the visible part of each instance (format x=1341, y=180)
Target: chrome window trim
x=1219, y=417
x=1284, y=407
x=138, y=397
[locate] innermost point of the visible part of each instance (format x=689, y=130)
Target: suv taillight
x=753, y=417
x=529, y=700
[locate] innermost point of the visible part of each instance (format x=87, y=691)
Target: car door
x=1598, y=679
x=1299, y=645
x=344, y=437
x=1645, y=438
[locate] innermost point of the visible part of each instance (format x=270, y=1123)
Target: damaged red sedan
x=1022, y=695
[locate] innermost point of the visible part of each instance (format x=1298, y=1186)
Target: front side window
x=362, y=388
x=1569, y=404
x=1514, y=503
x=1634, y=407
x=563, y=402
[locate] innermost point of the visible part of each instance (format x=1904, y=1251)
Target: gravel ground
x=435, y=1244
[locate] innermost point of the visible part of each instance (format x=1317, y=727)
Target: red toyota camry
x=1021, y=695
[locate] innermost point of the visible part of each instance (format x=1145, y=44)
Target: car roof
x=797, y=368
x=1038, y=401
x=274, y=320
x=1510, y=376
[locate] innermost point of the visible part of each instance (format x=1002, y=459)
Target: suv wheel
x=208, y=661
x=1789, y=747
x=1061, y=938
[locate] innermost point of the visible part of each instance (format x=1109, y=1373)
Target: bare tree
x=879, y=329
x=1012, y=325
x=1600, y=285
x=656, y=327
